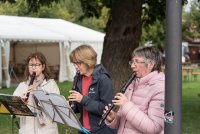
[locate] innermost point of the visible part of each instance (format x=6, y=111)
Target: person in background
x=142, y=106
x=93, y=89
x=36, y=62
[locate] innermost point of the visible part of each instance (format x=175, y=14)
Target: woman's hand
x=25, y=96
x=75, y=96
x=120, y=99
x=111, y=116
x=31, y=88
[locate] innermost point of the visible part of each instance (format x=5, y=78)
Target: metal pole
x=173, y=84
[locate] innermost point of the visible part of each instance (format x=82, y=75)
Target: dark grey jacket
x=100, y=93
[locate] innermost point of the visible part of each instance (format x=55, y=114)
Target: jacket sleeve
x=21, y=89
x=52, y=87
x=115, y=123
x=151, y=122
x=105, y=97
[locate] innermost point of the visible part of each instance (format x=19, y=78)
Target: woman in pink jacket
x=142, y=106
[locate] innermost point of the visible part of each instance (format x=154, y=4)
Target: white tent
x=43, y=32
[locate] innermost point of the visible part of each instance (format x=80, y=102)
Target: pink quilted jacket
x=144, y=113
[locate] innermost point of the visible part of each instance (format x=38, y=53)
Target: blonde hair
x=84, y=54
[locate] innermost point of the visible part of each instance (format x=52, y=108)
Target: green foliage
x=10, y=1
x=19, y=8
x=73, y=7
x=56, y=11
x=153, y=17
x=97, y=23
x=102, y=21
x=154, y=34
x=92, y=8
x=4, y=8
x=90, y=23
x=34, y=5
x=191, y=25
x=69, y=10
x=153, y=10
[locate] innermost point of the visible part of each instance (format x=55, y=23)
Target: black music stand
x=58, y=109
x=13, y=105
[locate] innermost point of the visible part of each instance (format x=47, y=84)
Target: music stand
x=58, y=109
x=13, y=105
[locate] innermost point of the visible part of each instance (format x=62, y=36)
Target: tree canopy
x=191, y=25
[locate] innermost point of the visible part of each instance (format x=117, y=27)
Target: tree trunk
x=123, y=33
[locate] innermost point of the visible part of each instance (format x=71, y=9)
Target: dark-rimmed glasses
x=135, y=62
x=34, y=65
x=78, y=63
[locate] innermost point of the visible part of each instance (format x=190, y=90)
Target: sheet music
x=57, y=108
x=10, y=104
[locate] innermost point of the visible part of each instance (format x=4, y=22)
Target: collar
x=150, y=78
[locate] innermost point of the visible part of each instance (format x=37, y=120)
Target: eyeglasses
x=136, y=62
x=78, y=63
x=34, y=65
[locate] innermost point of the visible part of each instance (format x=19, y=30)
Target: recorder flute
x=122, y=90
x=74, y=85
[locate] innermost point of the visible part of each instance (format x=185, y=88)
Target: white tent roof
x=69, y=36
x=40, y=29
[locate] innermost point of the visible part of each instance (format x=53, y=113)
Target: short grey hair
x=149, y=53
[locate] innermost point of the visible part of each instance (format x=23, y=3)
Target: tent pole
x=0, y=64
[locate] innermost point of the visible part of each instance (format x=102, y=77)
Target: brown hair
x=42, y=59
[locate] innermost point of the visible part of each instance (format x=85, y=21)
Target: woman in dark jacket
x=93, y=90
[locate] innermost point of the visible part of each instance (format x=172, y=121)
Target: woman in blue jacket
x=93, y=90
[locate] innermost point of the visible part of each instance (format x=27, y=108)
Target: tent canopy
x=66, y=34
x=42, y=29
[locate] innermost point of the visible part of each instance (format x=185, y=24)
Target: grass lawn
x=190, y=109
